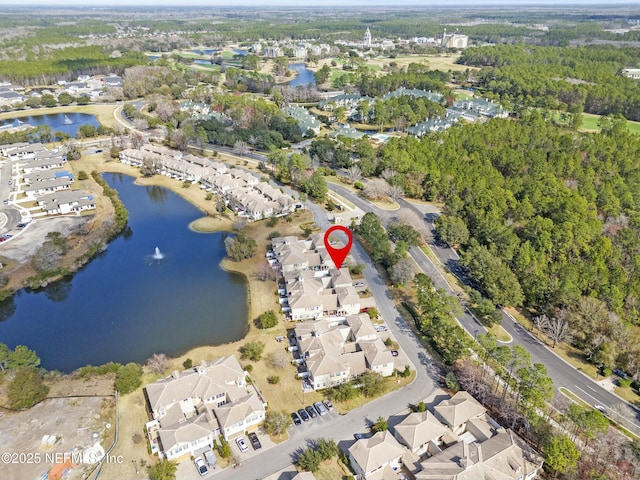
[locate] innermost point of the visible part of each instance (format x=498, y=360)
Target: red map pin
x=338, y=254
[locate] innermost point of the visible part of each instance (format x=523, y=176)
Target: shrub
x=358, y=185
x=343, y=392
x=309, y=460
x=452, y=382
x=356, y=269
x=272, y=222
x=273, y=379
x=128, y=378
x=373, y=312
x=248, y=368
x=268, y=319
x=625, y=382
x=388, y=342
x=27, y=388
x=188, y=363
x=224, y=449
x=275, y=423
x=82, y=175
x=252, y=351
x=163, y=470
x=274, y=234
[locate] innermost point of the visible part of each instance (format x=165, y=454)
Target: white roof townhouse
x=424, y=448
x=66, y=202
x=192, y=407
x=337, y=350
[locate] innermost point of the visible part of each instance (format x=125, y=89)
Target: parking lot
x=304, y=428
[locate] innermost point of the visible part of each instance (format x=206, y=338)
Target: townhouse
x=457, y=441
x=192, y=407
x=242, y=191
x=336, y=350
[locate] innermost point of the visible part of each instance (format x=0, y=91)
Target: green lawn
x=590, y=123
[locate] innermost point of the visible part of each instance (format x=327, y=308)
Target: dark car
x=311, y=411
x=303, y=414
x=296, y=418
x=255, y=442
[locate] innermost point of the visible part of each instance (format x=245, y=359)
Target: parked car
x=328, y=404
x=358, y=436
x=619, y=372
x=322, y=410
x=394, y=353
x=242, y=445
x=210, y=458
x=311, y=411
x=201, y=466
x=255, y=441
x=303, y=414
x=601, y=409
x=296, y=418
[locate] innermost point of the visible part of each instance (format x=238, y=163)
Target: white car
x=242, y=445
x=201, y=466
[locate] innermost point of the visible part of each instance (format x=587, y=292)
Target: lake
x=125, y=305
x=64, y=122
x=305, y=76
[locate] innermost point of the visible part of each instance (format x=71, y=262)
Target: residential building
x=503, y=456
x=483, y=107
x=48, y=186
x=336, y=350
x=305, y=120
x=66, y=202
x=304, y=476
x=272, y=52
x=421, y=432
x=426, y=449
x=454, y=40
x=242, y=191
x=631, y=73
x=192, y=407
x=376, y=458
x=459, y=409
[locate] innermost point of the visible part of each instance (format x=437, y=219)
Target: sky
x=309, y=3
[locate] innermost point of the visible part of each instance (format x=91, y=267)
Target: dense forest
x=574, y=79
x=552, y=219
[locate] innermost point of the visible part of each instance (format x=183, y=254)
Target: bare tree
x=136, y=140
x=540, y=322
x=164, y=110
x=388, y=173
x=402, y=272
x=265, y=272
x=557, y=328
x=158, y=363
x=375, y=189
x=240, y=148
x=279, y=359
x=140, y=124
x=395, y=193
x=354, y=173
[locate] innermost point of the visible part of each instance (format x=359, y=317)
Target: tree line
x=574, y=79
x=545, y=218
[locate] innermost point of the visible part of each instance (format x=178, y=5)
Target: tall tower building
x=367, y=38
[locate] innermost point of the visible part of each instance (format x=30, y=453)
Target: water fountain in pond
x=157, y=254
x=67, y=120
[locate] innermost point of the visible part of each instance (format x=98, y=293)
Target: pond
x=129, y=303
x=62, y=122
x=304, y=76
x=205, y=51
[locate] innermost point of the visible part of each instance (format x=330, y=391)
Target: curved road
x=562, y=373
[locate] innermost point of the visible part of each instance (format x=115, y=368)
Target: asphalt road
x=562, y=373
